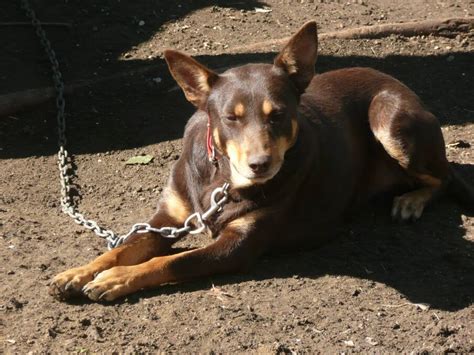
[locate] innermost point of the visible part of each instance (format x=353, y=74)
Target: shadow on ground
x=132, y=111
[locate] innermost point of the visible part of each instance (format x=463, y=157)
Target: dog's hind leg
x=141, y=247
x=412, y=136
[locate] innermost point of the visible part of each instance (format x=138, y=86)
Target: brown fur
x=299, y=150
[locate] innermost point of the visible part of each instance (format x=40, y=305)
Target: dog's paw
x=110, y=284
x=70, y=283
x=408, y=207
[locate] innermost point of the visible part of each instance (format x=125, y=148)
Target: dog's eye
x=231, y=118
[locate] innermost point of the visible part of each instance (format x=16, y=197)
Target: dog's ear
x=194, y=78
x=298, y=57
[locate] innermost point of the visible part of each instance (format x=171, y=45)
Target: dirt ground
x=378, y=287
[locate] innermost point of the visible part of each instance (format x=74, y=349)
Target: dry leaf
x=140, y=160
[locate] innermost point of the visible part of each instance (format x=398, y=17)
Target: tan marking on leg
x=392, y=146
x=69, y=283
x=245, y=223
x=429, y=180
x=123, y=280
x=267, y=107
x=239, y=109
x=176, y=206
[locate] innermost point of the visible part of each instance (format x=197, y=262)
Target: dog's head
x=252, y=108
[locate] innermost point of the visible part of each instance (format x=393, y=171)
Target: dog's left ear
x=298, y=57
x=193, y=77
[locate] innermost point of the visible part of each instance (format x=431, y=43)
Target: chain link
x=194, y=224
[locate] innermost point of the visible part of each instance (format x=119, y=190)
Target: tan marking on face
x=233, y=151
x=267, y=107
x=217, y=141
x=239, y=110
x=282, y=145
x=176, y=206
x=238, y=157
x=294, y=131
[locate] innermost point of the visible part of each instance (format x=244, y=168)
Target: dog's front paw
x=110, y=284
x=410, y=206
x=70, y=283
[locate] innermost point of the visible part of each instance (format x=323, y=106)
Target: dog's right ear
x=194, y=78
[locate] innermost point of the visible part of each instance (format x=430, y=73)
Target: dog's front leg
x=139, y=248
x=233, y=251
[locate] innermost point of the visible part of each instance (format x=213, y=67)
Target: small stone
x=349, y=343
x=371, y=341
x=141, y=23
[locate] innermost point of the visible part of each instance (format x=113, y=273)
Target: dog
x=299, y=150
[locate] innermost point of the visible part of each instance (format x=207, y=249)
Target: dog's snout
x=260, y=164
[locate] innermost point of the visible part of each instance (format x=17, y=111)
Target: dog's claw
x=69, y=283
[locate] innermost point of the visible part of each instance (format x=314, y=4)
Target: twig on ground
x=422, y=306
x=219, y=293
x=449, y=27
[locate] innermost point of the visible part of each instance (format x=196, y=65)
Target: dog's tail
x=461, y=190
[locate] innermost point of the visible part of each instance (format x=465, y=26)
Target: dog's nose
x=260, y=164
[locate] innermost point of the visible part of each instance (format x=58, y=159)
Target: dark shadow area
x=428, y=261
x=100, y=33
x=132, y=111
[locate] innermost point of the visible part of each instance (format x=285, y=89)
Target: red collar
x=211, y=150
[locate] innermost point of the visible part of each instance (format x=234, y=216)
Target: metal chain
x=194, y=224
x=64, y=162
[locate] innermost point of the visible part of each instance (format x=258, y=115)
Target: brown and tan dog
x=298, y=150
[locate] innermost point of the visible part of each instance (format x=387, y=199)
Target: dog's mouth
x=244, y=177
